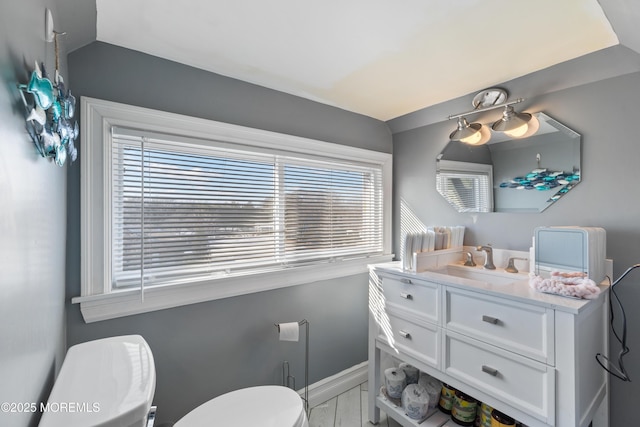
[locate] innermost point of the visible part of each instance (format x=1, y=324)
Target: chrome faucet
x=511, y=267
x=488, y=260
x=469, y=262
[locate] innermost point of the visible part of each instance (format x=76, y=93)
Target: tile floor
x=347, y=410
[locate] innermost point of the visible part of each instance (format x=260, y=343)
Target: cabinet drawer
x=522, y=328
x=419, y=297
x=518, y=381
x=418, y=339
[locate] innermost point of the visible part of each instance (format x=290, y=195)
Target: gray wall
x=206, y=349
x=32, y=225
x=605, y=113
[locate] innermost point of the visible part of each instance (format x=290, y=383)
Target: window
x=182, y=211
x=468, y=187
x=178, y=210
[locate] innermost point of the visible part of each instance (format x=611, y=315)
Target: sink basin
x=496, y=277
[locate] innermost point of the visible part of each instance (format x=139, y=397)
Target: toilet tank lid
x=105, y=382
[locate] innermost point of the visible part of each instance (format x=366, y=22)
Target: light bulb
x=518, y=132
x=532, y=127
x=480, y=138
x=472, y=139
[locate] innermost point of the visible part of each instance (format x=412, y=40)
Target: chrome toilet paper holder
x=289, y=380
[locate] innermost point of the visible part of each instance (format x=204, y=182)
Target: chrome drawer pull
x=490, y=371
x=405, y=334
x=489, y=319
x=406, y=295
x=406, y=281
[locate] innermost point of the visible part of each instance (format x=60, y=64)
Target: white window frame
x=477, y=169
x=98, y=301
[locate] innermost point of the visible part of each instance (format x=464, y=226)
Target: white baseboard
x=330, y=387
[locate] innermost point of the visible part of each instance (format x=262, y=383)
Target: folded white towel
x=574, y=285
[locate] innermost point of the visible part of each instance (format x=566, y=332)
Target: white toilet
x=111, y=383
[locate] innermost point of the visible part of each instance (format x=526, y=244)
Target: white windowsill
x=129, y=302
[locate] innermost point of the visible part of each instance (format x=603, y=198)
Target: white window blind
x=182, y=211
x=466, y=186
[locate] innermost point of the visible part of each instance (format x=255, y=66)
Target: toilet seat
x=262, y=406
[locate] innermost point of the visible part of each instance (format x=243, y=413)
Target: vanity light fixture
x=512, y=123
x=467, y=133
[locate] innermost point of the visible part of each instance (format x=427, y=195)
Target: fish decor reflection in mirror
x=542, y=179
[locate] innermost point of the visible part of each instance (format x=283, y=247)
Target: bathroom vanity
x=528, y=354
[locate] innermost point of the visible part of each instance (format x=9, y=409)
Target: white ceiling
x=380, y=58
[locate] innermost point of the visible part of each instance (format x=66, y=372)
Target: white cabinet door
x=416, y=338
x=419, y=297
x=525, y=329
x=518, y=381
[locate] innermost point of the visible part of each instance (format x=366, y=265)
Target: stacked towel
x=575, y=285
x=432, y=239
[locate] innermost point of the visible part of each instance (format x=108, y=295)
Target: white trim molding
x=129, y=302
x=330, y=387
x=98, y=301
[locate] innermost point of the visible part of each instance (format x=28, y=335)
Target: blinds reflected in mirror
x=468, y=187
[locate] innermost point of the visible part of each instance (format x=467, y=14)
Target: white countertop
x=518, y=290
